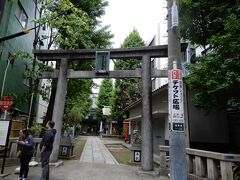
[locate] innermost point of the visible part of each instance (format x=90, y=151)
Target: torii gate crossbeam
x=144, y=53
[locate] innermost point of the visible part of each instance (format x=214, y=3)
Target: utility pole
x=178, y=163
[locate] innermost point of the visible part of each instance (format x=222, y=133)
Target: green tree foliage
x=116, y=104
x=74, y=25
x=31, y=76
x=104, y=97
x=127, y=91
x=131, y=86
x=77, y=108
x=93, y=8
x=202, y=19
x=215, y=76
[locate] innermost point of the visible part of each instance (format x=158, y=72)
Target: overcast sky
x=124, y=15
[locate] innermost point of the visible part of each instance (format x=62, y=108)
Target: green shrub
x=36, y=129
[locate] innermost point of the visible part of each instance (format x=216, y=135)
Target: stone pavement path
x=74, y=170
x=95, y=152
x=96, y=167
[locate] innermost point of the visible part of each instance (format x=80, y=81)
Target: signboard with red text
x=175, y=98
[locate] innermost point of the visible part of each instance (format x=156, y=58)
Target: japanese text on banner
x=176, y=111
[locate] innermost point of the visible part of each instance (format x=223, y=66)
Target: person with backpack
x=27, y=150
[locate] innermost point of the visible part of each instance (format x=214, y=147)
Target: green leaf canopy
x=215, y=76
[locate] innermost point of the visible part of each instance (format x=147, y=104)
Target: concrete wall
x=135, y=111
x=160, y=102
x=203, y=128
x=166, y=125
x=160, y=119
x=234, y=124
x=158, y=134
x=207, y=127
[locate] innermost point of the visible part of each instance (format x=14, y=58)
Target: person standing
x=46, y=147
x=27, y=150
x=19, y=146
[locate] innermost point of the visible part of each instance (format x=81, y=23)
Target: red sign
x=6, y=102
x=176, y=74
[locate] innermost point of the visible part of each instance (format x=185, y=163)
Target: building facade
x=15, y=17
x=203, y=130
x=207, y=131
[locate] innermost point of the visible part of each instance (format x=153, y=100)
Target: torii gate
x=146, y=73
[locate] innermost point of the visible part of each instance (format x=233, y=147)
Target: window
x=153, y=84
x=22, y=15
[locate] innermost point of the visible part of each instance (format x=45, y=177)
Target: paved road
x=96, y=163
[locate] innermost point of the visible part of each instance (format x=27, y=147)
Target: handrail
x=214, y=155
x=203, y=164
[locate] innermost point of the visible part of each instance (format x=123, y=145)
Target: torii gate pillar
x=59, y=103
x=146, y=123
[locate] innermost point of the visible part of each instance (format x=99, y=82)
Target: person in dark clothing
x=46, y=147
x=19, y=146
x=27, y=150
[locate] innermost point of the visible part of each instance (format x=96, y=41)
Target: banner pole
x=6, y=145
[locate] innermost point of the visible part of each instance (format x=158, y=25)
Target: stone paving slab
x=95, y=152
x=96, y=163
x=74, y=170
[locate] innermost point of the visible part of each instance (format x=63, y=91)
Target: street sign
x=175, y=96
x=6, y=102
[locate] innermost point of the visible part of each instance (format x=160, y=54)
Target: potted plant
x=36, y=130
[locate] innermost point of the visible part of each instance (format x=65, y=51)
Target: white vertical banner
x=4, y=125
x=175, y=100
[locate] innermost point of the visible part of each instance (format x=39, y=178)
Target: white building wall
x=41, y=112
x=42, y=105
x=161, y=39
